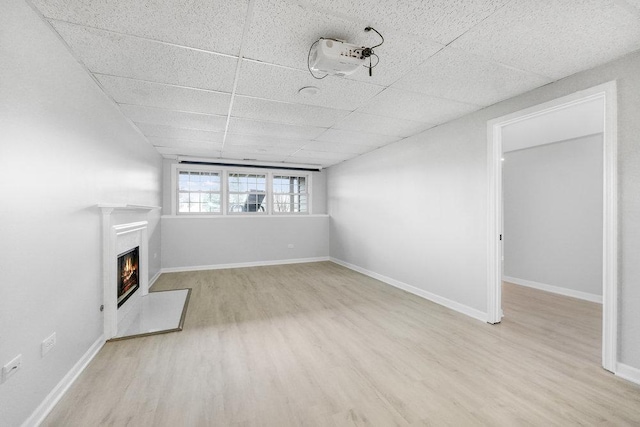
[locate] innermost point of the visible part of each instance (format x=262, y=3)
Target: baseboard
x=154, y=278
x=628, y=373
x=554, y=289
x=243, y=264
x=453, y=305
x=61, y=388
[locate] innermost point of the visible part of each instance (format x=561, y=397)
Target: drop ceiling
x=220, y=79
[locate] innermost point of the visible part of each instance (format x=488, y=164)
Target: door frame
x=608, y=93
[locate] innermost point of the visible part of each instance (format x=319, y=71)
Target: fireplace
x=128, y=282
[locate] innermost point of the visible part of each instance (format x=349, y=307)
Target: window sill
x=240, y=216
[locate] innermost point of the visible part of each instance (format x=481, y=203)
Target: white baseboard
x=554, y=289
x=628, y=373
x=61, y=388
x=453, y=305
x=243, y=264
x=154, y=278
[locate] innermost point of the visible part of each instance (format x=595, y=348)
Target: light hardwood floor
x=320, y=345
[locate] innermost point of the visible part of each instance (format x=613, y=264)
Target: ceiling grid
x=220, y=79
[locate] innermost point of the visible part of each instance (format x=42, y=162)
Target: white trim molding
x=243, y=264
x=554, y=289
x=61, y=388
x=607, y=92
x=628, y=373
x=445, y=302
x=152, y=281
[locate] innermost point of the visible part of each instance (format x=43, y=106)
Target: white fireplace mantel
x=119, y=234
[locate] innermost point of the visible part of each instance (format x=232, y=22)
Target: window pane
x=194, y=197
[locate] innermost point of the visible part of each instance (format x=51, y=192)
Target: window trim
x=224, y=190
x=266, y=192
x=175, y=189
x=307, y=178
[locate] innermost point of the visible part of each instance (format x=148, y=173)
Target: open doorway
x=603, y=96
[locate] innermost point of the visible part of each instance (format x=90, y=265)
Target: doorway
x=606, y=94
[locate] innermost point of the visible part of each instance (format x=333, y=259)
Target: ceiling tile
x=196, y=152
x=214, y=25
x=338, y=147
x=261, y=157
x=555, y=38
x=284, y=112
x=359, y=138
x=322, y=155
x=263, y=141
x=279, y=130
x=282, y=84
x=289, y=30
x=415, y=106
x=178, y=119
x=279, y=151
x=164, y=131
x=461, y=76
x=382, y=125
x=439, y=20
x=138, y=92
x=109, y=53
x=182, y=143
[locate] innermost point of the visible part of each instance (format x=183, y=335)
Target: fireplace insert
x=127, y=274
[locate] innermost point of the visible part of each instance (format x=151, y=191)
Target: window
x=199, y=192
x=289, y=194
x=247, y=192
x=204, y=190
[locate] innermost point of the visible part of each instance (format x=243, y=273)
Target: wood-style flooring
x=320, y=345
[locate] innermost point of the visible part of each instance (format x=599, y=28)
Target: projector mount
x=336, y=57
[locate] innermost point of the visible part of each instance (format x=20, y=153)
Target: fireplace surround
x=130, y=310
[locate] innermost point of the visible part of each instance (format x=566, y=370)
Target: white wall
x=416, y=210
x=188, y=243
x=553, y=215
x=64, y=147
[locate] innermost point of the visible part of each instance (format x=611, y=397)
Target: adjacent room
x=296, y=212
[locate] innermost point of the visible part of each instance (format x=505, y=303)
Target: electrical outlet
x=155, y=255
x=290, y=245
x=11, y=368
x=48, y=344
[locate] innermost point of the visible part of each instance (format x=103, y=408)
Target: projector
x=336, y=57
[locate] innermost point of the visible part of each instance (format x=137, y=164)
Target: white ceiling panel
x=415, y=106
x=138, y=92
x=183, y=143
x=279, y=130
x=439, y=20
x=461, y=76
x=263, y=141
x=632, y=3
x=381, y=125
x=195, y=152
x=109, y=53
x=214, y=25
x=359, y=138
x=322, y=155
x=177, y=144
x=284, y=112
x=272, y=151
x=555, y=38
x=287, y=28
x=338, y=147
x=173, y=118
x=164, y=131
x=261, y=157
x=282, y=84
